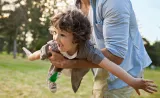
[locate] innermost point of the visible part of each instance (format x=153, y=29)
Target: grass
x=20, y=78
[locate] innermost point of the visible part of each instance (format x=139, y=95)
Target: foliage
x=32, y=17
x=25, y=17
x=153, y=51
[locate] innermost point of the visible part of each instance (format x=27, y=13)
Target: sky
x=148, y=17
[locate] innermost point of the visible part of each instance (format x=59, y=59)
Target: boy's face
x=64, y=40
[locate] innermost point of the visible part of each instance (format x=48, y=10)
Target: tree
x=27, y=17
x=153, y=51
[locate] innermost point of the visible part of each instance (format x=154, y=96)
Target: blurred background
x=25, y=23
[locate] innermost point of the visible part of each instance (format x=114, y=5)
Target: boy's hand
x=26, y=51
x=146, y=85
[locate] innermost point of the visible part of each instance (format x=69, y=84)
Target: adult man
x=116, y=33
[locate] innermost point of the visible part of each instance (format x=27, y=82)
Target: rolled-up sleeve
x=116, y=29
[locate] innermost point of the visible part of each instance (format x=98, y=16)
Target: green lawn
x=20, y=78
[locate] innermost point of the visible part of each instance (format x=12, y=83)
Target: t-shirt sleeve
x=93, y=54
x=44, y=49
x=43, y=54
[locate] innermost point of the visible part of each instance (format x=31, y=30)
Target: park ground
x=20, y=78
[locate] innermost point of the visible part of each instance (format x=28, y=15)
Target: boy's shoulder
x=89, y=52
x=84, y=49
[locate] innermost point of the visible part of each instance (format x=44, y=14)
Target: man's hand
x=57, y=59
x=146, y=85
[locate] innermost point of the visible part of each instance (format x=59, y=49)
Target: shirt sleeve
x=116, y=27
x=93, y=54
x=44, y=49
x=43, y=54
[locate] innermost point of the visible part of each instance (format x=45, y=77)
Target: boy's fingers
x=148, y=90
x=138, y=92
x=26, y=51
x=152, y=85
x=149, y=81
x=152, y=88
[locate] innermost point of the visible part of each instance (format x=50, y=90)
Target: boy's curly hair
x=75, y=22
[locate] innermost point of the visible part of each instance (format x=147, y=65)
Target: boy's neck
x=73, y=51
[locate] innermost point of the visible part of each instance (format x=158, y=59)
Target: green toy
x=54, y=77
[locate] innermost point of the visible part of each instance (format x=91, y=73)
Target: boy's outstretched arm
x=136, y=83
x=32, y=56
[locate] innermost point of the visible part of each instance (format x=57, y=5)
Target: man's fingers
x=57, y=64
x=50, y=48
x=51, y=58
x=52, y=55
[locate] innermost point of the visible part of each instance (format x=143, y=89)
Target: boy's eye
x=62, y=35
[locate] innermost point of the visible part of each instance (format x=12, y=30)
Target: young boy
x=71, y=33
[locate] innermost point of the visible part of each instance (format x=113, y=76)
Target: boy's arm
x=32, y=56
x=136, y=83
x=117, y=71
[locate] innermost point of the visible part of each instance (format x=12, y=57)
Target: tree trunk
x=15, y=49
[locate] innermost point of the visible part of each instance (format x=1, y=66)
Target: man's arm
x=85, y=63
x=111, y=57
x=59, y=61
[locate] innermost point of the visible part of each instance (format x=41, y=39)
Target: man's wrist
x=69, y=63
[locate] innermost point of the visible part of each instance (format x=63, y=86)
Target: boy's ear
x=75, y=41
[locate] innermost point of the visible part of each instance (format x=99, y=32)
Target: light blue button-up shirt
x=115, y=28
